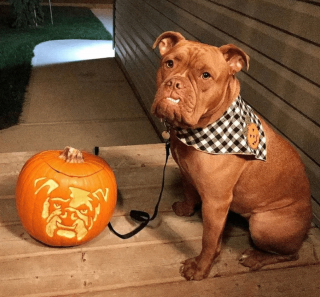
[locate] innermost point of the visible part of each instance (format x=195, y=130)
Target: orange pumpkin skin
x=65, y=204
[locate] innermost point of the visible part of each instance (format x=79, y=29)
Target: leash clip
x=166, y=134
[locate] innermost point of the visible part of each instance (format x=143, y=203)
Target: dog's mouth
x=175, y=101
x=174, y=111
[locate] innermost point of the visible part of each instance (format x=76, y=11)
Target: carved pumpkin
x=65, y=198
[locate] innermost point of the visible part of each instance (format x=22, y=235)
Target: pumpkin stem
x=71, y=155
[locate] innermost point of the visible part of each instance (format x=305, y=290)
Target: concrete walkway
x=78, y=101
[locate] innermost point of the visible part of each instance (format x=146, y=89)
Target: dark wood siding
x=281, y=37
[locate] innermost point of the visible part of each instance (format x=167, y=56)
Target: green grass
x=17, y=45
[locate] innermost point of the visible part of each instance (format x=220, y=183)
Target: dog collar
x=238, y=131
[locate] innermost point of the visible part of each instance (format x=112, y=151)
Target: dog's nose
x=176, y=83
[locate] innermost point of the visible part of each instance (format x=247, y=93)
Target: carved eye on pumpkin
x=65, y=198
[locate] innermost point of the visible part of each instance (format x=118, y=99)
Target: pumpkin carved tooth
x=66, y=227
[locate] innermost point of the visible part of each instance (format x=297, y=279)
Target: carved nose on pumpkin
x=175, y=83
x=69, y=213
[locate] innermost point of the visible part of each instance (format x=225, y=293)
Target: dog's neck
x=230, y=94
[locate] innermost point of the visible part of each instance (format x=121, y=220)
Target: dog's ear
x=235, y=57
x=167, y=40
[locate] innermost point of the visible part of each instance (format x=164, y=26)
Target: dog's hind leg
x=278, y=235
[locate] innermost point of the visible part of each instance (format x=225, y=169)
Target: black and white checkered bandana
x=228, y=135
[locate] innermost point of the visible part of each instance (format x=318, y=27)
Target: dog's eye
x=169, y=63
x=205, y=75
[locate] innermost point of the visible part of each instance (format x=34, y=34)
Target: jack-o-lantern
x=65, y=198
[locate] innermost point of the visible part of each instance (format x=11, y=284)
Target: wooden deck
x=147, y=264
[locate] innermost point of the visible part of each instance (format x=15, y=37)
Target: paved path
x=79, y=103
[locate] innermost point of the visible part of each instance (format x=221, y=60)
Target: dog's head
x=195, y=81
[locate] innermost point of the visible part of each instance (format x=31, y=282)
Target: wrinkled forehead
x=195, y=55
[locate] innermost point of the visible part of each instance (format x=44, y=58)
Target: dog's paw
x=249, y=259
x=183, y=209
x=191, y=270
x=254, y=259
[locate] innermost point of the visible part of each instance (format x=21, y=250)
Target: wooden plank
x=314, y=235
x=124, y=264
x=143, y=37
x=8, y=185
x=11, y=163
x=125, y=178
x=290, y=87
x=135, y=155
x=271, y=42
x=161, y=18
x=311, y=2
x=116, y=156
x=316, y=212
x=14, y=240
x=278, y=283
x=167, y=227
x=289, y=121
x=296, y=18
x=313, y=173
x=143, y=67
x=120, y=52
x=143, y=71
x=149, y=28
x=128, y=199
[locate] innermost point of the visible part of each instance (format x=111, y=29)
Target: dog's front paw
x=182, y=209
x=191, y=270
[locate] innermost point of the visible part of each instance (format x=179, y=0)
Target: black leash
x=137, y=215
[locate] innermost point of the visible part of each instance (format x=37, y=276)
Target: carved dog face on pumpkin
x=193, y=79
x=70, y=216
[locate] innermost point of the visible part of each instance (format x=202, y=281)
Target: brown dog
x=264, y=180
